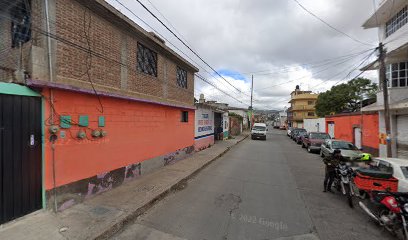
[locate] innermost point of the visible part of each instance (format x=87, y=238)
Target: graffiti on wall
x=76, y=192
x=177, y=155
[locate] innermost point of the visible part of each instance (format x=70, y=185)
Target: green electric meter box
x=83, y=121
x=101, y=121
x=65, y=121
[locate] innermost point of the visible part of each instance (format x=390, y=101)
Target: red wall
x=136, y=132
x=344, y=128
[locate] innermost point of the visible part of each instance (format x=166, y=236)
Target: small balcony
x=303, y=107
x=297, y=118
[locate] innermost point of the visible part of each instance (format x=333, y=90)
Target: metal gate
x=20, y=156
x=357, y=137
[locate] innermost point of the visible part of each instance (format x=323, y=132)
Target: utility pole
x=383, y=81
x=250, y=107
x=252, y=89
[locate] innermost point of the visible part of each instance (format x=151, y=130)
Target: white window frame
x=397, y=74
x=396, y=22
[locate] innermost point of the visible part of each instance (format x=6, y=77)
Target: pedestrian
x=331, y=162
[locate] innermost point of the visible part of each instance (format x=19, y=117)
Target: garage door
x=402, y=136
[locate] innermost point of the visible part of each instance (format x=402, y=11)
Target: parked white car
x=399, y=169
x=289, y=131
x=259, y=131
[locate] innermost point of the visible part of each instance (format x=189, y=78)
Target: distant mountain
x=256, y=111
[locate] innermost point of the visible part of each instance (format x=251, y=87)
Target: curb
x=117, y=226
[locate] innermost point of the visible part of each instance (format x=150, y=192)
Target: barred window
x=181, y=77
x=396, y=22
x=20, y=24
x=146, y=60
x=310, y=114
x=397, y=74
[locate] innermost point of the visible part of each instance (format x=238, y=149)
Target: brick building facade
x=123, y=101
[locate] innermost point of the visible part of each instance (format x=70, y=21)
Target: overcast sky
x=275, y=40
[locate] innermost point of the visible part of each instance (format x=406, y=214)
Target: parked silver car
x=348, y=150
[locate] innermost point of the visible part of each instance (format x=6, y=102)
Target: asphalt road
x=259, y=190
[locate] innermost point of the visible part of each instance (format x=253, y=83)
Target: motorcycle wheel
x=336, y=185
x=386, y=212
x=349, y=196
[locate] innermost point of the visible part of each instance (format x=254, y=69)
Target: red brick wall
x=9, y=57
x=106, y=40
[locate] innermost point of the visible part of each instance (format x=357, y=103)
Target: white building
x=283, y=118
x=391, y=19
x=315, y=125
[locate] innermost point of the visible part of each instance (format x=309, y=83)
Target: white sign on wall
x=204, y=122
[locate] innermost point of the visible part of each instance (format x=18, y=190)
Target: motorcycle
x=343, y=181
x=389, y=209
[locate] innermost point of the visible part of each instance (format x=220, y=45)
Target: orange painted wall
x=136, y=132
x=344, y=124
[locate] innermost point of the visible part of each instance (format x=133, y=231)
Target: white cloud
x=277, y=36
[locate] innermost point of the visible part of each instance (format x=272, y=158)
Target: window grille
x=146, y=60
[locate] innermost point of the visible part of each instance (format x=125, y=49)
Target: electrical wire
x=167, y=40
x=322, y=70
x=187, y=46
x=93, y=53
x=329, y=25
x=354, y=69
x=213, y=85
x=168, y=21
x=364, y=59
x=308, y=65
x=89, y=58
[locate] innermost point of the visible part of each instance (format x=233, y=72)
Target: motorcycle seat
x=374, y=173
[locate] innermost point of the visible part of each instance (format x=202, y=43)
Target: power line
x=168, y=21
x=362, y=62
x=310, y=64
x=329, y=25
x=187, y=46
x=213, y=85
x=364, y=59
x=153, y=29
x=95, y=54
x=322, y=70
x=91, y=53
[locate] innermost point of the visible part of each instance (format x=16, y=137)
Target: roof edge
x=135, y=28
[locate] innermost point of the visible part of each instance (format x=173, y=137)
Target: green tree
x=346, y=97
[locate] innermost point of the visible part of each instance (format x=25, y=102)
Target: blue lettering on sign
x=204, y=115
x=203, y=129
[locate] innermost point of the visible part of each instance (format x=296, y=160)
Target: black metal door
x=20, y=156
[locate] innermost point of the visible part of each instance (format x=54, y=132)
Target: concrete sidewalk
x=105, y=214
